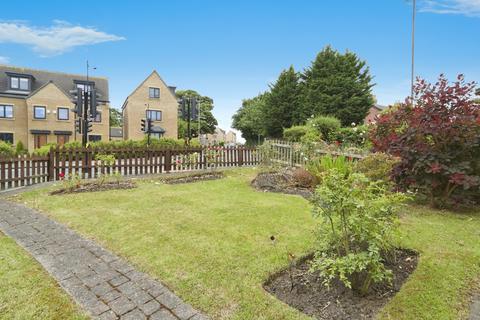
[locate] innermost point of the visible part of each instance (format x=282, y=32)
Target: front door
x=39, y=140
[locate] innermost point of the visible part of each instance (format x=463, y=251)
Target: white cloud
x=53, y=40
x=465, y=7
x=4, y=60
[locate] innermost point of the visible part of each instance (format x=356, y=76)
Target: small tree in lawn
x=437, y=141
x=359, y=220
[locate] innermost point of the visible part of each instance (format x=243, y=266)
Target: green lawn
x=210, y=242
x=27, y=291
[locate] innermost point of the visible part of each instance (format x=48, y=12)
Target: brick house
x=36, y=107
x=153, y=99
x=373, y=113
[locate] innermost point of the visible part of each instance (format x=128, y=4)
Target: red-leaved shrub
x=437, y=140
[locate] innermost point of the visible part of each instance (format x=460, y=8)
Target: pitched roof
x=154, y=72
x=64, y=81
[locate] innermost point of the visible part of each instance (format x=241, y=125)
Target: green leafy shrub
x=20, y=149
x=360, y=219
x=44, y=150
x=295, y=133
x=353, y=136
x=377, y=166
x=6, y=149
x=326, y=126
x=319, y=166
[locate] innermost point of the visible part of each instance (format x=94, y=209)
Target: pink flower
x=61, y=175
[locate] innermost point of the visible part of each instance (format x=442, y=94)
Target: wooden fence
x=292, y=154
x=86, y=163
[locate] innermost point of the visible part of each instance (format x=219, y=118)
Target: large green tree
x=207, y=120
x=249, y=119
x=339, y=85
x=282, y=104
x=116, y=118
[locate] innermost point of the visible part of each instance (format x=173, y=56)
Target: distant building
x=155, y=100
x=220, y=136
x=373, y=113
x=116, y=134
x=231, y=138
x=36, y=107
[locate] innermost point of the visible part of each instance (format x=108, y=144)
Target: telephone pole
x=414, y=12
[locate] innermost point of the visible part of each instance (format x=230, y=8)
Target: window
x=94, y=138
x=156, y=135
x=154, y=115
x=20, y=83
x=63, y=113
x=154, y=93
x=7, y=137
x=39, y=112
x=6, y=111
x=62, y=139
x=98, y=117
x=39, y=140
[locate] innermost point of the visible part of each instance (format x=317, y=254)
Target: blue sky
x=230, y=50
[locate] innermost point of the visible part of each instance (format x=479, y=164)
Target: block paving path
x=106, y=286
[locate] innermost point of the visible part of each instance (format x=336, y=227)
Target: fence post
x=51, y=161
x=168, y=160
x=240, y=156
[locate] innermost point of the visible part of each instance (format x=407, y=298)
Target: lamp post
x=414, y=12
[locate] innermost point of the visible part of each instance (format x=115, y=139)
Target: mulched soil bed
x=281, y=182
x=193, y=177
x=310, y=296
x=95, y=186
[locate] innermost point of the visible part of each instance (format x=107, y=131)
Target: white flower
x=312, y=116
x=355, y=129
x=353, y=124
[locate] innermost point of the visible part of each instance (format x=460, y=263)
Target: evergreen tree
x=338, y=85
x=282, y=104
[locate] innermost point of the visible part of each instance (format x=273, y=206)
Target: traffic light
x=182, y=110
x=79, y=102
x=78, y=125
x=149, y=125
x=89, y=125
x=193, y=109
x=93, y=103
x=143, y=124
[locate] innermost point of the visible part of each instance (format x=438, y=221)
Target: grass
x=27, y=291
x=210, y=242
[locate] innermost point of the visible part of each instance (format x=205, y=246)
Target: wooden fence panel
x=28, y=169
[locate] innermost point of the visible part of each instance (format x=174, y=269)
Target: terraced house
x=155, y=100
x=36, y=107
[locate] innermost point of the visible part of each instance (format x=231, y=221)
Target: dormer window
x=20, y=83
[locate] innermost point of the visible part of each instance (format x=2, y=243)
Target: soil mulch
x=310, y=296
x=281, y=182
x=193, y=177
x=95, y=186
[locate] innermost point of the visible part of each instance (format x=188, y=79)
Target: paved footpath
x=475, y=308
x=105, y=285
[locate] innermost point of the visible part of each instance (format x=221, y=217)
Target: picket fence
x=83, y=162
x=289, y=153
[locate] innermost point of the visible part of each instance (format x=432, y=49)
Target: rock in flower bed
x=305, y=291
x=192, y=177
x=290, y=181
x=95, y=186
